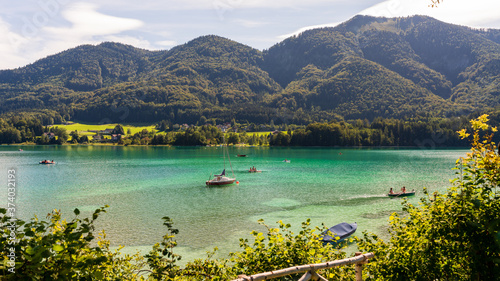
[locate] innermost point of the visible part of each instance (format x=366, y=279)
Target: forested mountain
x=366, y=67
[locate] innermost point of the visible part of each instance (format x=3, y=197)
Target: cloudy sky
x=33, y=29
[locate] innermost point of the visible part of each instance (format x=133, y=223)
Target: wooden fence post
x=359, y=268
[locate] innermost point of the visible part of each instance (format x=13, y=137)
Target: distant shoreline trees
x=415, y=132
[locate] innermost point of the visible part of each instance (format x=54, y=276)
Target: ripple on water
x=282, y=202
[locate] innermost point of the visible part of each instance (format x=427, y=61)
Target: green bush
x=60, y=250
x=450, y=236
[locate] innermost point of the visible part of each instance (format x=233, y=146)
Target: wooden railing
x=310, y=269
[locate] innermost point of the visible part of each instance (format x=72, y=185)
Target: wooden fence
x=310, y=269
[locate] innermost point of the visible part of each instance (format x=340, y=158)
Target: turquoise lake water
x=144, y=184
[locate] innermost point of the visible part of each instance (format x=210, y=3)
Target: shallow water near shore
x=143, y=184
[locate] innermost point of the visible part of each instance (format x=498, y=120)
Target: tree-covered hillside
x=366, y=67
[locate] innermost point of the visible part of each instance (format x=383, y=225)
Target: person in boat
x=391, y=191
x=403, y=189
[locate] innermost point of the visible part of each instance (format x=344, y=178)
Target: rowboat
x=401, y=194
x=338, y=233
x=46, y=162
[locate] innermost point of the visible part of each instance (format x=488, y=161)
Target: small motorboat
x=47, y=162
x=286, y=161
x=241, y=155
x=338, y=233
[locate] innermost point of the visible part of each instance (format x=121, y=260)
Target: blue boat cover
x=341, y=230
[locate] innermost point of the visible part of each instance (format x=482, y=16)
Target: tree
x=10, y=135
x=75, y=136
x=450, y=236
x=233, y=138
x=84, y=139
x=119, y=130
x=61, y=134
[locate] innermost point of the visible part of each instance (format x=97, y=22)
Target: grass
x=83, y=129
x=259, y=133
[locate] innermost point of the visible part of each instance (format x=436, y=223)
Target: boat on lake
x=402, y=194
x=286, y=161
x=241, y=155
x=254, y=170
x=47, y=162
x=340, y=232
x=222, y=179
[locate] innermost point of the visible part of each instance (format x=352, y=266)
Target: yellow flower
x=463, y=134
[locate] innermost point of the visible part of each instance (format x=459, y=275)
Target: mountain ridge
x=366, y=67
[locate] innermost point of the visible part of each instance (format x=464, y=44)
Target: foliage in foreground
x=59, y=250
x=450, y=236
x=62, y=250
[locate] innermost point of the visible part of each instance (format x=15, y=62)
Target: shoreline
x=231, y=145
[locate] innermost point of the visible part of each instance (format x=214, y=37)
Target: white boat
x=222, y=179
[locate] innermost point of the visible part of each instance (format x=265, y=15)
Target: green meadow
x=85, y=129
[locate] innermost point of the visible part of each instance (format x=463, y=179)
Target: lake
x=144, y=184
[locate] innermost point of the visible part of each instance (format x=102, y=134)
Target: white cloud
x=284, y=36
x=167, y=43
x=29, y=31
x=86, y=26
x=87, y=22
x=250, y=23
x=479, y=13
x=11, y=45
x=213, y=4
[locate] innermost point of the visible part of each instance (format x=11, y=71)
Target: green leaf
x=98, y=275
x=76, y=211
x=58, y=248
x=30, y=251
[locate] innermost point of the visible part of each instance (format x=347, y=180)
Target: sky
x=34, y=29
